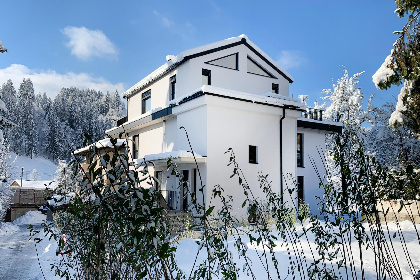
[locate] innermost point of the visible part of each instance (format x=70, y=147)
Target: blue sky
x=110, y=45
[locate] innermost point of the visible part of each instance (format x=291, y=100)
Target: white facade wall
x=189, y=78
x=313, y=145
x=160, y=91
x=236, y=125
x=289, y=156
x=190, y=74
x=151, y=139
x=215, y=124
x=193, y=116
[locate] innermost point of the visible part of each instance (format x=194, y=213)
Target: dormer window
x=275, y=88
x=206, y=77
x=172, y=92
x=146, y=101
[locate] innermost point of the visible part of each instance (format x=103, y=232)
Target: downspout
x=164, y=137
x=281, y=154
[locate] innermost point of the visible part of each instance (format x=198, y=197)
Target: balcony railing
x=313, y=114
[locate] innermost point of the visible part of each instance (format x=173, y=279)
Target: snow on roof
x=38, y=185
x=174, y=154
x=104, y=143
x=267, y=98
x=174, y=61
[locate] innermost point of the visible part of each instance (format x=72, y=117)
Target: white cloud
x=291, y=59
x=85, y=43
x=184, y=30
x=51, y=82
x=164, y=20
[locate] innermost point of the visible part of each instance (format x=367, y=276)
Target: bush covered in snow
x=116, y=227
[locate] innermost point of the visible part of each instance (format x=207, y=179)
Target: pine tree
x=5, y=165
x=51, y=144
x=34, y=176
x=8, y=95
x=26, y=118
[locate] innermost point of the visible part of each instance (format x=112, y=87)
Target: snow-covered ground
x=18, y=256
x=45, y=167
x=187, y=251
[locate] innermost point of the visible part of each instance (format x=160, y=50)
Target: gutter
x=281, y=154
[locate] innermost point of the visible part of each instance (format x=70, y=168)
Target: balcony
x=313, y=114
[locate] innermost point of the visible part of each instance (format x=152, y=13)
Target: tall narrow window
x=300, y=189
x=185, y=191
x=158, y=176
x=299, y=151
x=146, y=101
x=172, y=89
x=194, y=190
x=275, y=88
x=135, y=146
x=206, y=77
x=253, y=154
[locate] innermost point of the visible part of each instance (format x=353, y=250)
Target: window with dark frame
x=299, y=151
x=172, y=89
x=229, y=61
x=185, y=189
x=146, y=101
x=300, y=193
x=253, y=154
x=194, y=189
x=275, y=88
x=206, y=77
x=158, y=175
x=135, y=146
x=253, y=67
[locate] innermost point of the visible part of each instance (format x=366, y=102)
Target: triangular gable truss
x=255, y=68
x=229, y=61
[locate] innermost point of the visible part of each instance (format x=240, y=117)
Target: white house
x=228, y=94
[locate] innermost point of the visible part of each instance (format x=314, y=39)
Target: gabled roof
x=174, y=61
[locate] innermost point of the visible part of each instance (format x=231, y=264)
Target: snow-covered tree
x=402, y=66
x=389, y=146
x=6, y=167
x=34, y=176
x=67, y=178
x=26, y=123
x=345, y=102
x=5, y=163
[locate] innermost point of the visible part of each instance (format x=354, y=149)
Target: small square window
x=172, y=92
x=146, y=102
x=253, y=154
x=206, y=77
x=275, y=88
